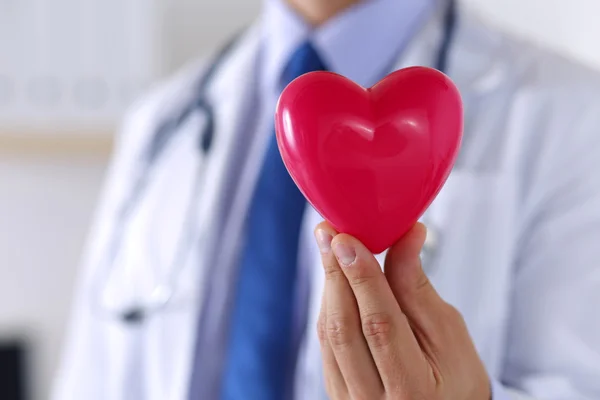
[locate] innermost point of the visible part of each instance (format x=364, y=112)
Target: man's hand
x=390, y=335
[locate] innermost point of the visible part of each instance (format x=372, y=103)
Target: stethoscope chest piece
x=430, y=249
x=431, y=246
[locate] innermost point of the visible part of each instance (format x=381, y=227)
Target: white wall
x=193, y=27
x=568, y=26
x=46, y=200
x=45, y=205
x=74, y=61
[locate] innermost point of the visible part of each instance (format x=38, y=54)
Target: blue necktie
x=260, y=355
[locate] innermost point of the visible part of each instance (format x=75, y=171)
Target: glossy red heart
x=370, y=161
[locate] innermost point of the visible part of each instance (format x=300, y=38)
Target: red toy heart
x=370, y=161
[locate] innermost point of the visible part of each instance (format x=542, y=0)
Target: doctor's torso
x=479, y=258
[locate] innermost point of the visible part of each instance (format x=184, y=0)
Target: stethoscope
x=163, y=292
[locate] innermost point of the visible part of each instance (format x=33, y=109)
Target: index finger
x=391, y=341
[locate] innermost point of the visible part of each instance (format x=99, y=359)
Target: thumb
x=406, y=277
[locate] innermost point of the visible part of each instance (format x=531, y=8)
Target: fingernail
x=344, y=253
x=323, y=240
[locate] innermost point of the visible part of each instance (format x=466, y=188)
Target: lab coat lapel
x=172, y=337
x=234, y=91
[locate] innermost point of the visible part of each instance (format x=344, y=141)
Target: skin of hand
x=387, y=334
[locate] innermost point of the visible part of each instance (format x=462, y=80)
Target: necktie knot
x=305, y=59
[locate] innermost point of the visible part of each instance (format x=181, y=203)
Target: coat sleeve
x=553, y=345
x=91, y=342
x=99, y=354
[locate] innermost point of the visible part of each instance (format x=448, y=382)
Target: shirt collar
x=360, y=43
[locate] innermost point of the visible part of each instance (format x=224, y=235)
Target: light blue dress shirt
x=361, y=43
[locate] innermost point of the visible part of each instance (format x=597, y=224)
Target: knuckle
x=364, y=274
x=360, y=280
x=377, y=329
x=340, y=331
x=322, y=330
x=332, y=272
x=362, y=396
x=365, y=282
x=423, y=283
x=454, y=315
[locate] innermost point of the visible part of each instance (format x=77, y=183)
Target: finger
x=439, y=327
x=334, y=381
x=386, y=329
x=427, y=312
x=344, y=330
x=406, y=277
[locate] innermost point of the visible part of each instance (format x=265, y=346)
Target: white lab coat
x=518, y=249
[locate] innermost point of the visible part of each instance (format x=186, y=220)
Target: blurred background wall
x=68, y=69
